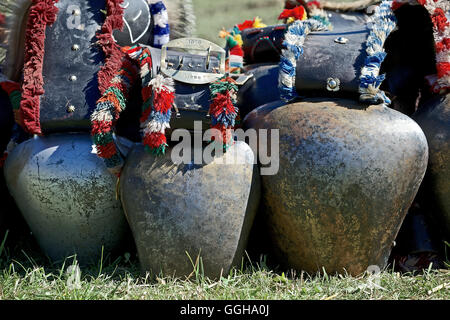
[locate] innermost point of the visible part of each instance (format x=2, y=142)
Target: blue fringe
x=158, y=31
x=157, y=7
x=161, y=117
x=298, y=29
x=384, y=22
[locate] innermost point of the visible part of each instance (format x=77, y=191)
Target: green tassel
x=102, y=139
x=160, y=151
x=119, y=96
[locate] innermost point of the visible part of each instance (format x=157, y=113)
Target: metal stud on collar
x=341, y=40
x=333, y=84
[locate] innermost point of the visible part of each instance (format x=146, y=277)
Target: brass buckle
x=203, y=49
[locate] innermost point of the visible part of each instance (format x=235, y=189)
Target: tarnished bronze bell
x=67, y=197
x=434, y=119
x=181, y=212
x=347, y=175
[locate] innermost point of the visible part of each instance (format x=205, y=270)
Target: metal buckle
x=202, y=50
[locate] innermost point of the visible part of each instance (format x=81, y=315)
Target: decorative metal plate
x=193, y=61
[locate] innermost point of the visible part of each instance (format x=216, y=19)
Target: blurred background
x=213, y=15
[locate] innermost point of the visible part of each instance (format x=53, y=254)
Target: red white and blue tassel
x=222, y=110
x=154, y=127
x=107, y=112
x=158, y=94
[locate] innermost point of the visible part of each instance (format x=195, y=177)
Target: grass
x=30, y=276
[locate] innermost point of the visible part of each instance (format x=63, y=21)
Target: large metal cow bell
x=179, y=212
x=434, y=119
x=67, y=196
x=348, y=174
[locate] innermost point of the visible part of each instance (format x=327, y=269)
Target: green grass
x=29, y=275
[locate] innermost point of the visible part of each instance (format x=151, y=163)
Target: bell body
x=179, y=212
x=66, y=196
x=434, y=119
x=347, y=175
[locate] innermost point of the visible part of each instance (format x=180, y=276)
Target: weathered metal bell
x=347, y=175
x=434, y=119
x=66, y=196
x=179, y=212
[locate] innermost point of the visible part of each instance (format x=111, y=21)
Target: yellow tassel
x=258, y=23
x=238, y=39
x=305, y=16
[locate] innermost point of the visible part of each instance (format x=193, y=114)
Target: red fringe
x=443, y=45
x=146, y=93
x=154, y=140
x=237, y=51
x=162, y=101
x=396, y=5
x=221, y=103
x=314, y=4
x=99, y=127
x=226, y=135
x=439, y=19
x=247, y=24
x=443, y=69
x=107, y=151
x=297, y=13
x=112, y=51
x=42, y=13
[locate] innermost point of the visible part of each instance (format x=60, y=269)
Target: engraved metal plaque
x=193, y=61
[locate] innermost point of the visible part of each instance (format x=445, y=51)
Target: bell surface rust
x=67, y=197
x=347, y=175
x=179, y=212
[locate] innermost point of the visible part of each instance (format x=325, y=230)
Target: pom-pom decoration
x=235, y=59
x=158, y=94
x=161, y=29
x=291, y=15
x=384, y=22
x=107, y=112
x=222, y=108
x=293, y=49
